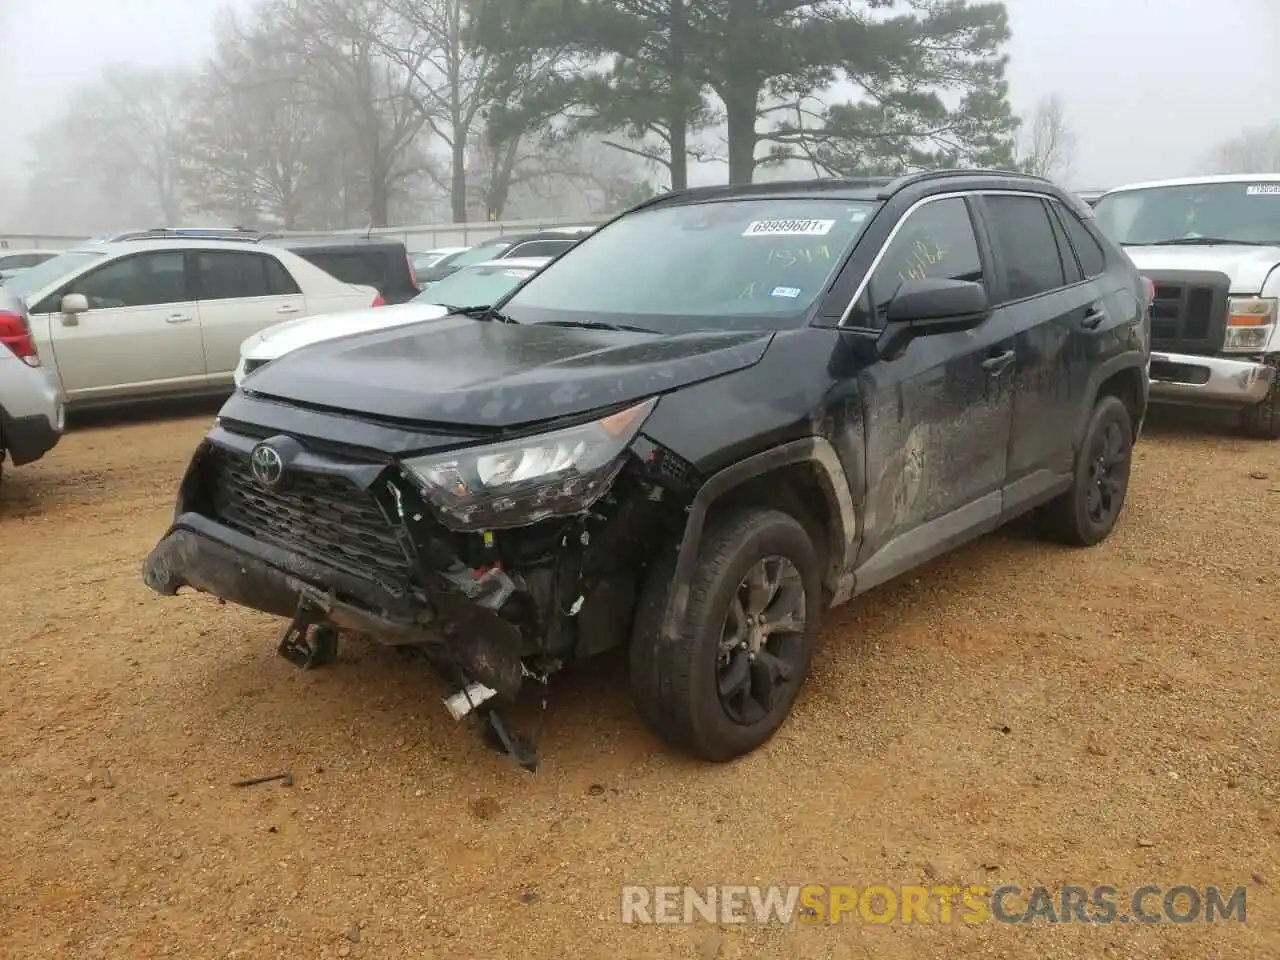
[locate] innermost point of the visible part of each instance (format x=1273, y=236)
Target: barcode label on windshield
x=788, y=228
x=1263, y=190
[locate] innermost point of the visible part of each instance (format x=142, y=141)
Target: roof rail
x=908, y=179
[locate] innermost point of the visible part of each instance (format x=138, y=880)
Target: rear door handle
x=288, y=308
x=999, y=362
x=179, y=318
x=1093, y=319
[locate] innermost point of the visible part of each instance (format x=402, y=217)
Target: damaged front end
x=498, y=561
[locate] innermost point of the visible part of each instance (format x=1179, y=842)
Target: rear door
x=239, y=293
x=141, y=334
x=1046, y=300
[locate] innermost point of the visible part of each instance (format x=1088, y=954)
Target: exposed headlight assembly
x=1250, y=322
x=518, y=482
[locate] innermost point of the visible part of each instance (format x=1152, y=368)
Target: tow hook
x=305, y=644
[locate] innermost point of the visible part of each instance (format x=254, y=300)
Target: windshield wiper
x=1203, y=241
x=598, y=325
x=481, y=311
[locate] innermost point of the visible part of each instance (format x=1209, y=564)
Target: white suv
x=143, y=319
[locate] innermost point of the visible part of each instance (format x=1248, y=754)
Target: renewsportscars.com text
x=1008, y=903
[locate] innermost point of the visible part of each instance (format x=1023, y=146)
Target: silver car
x=32, y=415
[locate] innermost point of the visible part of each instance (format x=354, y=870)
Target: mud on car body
x=721, y=413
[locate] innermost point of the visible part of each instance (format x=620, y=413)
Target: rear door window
x=234, y=275
x=1028, y=247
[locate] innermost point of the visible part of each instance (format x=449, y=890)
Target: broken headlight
x=518, y=482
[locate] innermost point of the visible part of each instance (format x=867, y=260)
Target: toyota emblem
x=266, y=465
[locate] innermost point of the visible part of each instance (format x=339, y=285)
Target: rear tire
x=1087, y=513
x=1262, y=420
x=728, y=681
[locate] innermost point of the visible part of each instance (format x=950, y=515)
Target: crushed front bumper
x=1178, y=378
x=455, y=632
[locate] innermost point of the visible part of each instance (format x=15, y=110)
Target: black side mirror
x=923, y=308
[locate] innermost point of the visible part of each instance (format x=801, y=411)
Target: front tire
x=1087, y=513
x=1262, y=420
x=726, y=683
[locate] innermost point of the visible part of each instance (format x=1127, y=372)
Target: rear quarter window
x=1093, y=258
x=364, y=267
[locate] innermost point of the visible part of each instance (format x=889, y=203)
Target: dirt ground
x=1016, y=713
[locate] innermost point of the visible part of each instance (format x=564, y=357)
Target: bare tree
x=341, y=45
x=114, y=155
x=253, y=137
x=1051, y=143
x=1252, y=151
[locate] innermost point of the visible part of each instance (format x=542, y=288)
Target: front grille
x=1188, y=317
x=323, y=517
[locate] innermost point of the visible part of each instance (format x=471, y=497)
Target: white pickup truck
x=1211, y=246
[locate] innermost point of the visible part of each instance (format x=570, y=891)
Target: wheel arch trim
x=817, y=451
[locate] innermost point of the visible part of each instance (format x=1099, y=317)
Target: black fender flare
x=815, y=450
x=1129, y=360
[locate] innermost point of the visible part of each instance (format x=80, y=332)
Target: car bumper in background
x=27, y=439
x=1187, y=379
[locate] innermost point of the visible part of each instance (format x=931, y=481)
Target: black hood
x=489, y=374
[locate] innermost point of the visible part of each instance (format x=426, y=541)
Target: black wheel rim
x=762, y=640
x=1108, y=474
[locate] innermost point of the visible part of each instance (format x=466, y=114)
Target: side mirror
x=923, y=308
x=74, y=303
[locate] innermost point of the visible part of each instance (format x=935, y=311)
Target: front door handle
x=288, y=308
x=179, y=318
x=999, y=362
x=1093, y=319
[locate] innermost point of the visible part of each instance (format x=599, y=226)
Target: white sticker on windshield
x=788, y=228
x=857, y=216
x=789, y=292
x=1263, y=190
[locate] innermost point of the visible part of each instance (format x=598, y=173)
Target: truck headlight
x=1250, y=322
x=518, y=482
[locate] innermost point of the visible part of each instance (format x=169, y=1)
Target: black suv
x=371, y=262
x=798, y=392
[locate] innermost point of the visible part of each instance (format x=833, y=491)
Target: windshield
x=475, y=286
x=1228, y=212
x=748, y=264
x=477, y=254
x=34, y=279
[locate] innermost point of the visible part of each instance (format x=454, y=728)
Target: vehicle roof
x=337, y=243
x=169, y=243
x=864, y=188
x=16, y=251
x=435, y=250
x=1199, y=181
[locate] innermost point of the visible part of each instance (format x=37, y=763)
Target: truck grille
x=323, y=517
x=1189, y=317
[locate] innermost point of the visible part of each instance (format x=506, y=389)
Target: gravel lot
x=1016, y=713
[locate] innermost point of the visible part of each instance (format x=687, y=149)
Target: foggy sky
x=1149, y=85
